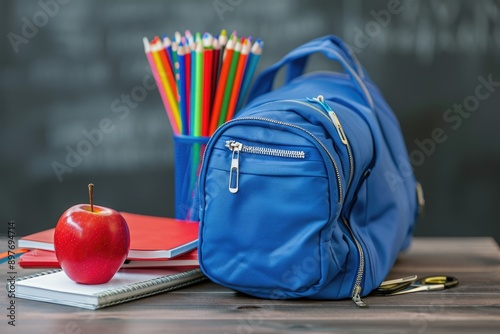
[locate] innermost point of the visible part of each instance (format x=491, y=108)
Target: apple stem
x=91, y=196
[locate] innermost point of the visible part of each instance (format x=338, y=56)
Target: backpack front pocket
x=267, y=213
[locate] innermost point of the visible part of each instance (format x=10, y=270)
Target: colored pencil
x=253, y=60
x=221, y=85
x=175, y=66
x=167, y=66
x=208, y=53
x=242, y=61
x=178, y=37
x=166, y=103
x=199, y=85
x=222, y=43
x=215, y=68
x=229, y=84
x=167, y=44
x=192, y=88
x=190, y=39
x=203, y=81
x=169, y=71
x=6, y=256
x=183, y=99
x=187, y=75
x=167, y=80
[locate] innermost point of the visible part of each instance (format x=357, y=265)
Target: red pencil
x=207, y=83
x=221, y=85
x=235, y=92
x=187, y=58
x=215, y=67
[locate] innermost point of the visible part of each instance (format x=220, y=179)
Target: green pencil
x=198, y=86
x=229, y=84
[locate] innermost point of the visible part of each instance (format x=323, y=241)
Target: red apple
x=91, y=242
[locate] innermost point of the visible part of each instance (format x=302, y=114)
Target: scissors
x=412, y=284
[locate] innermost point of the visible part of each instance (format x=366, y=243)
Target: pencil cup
x=188, y=153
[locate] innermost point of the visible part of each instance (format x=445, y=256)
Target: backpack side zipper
x=356, y=290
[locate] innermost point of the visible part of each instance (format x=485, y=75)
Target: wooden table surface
x=472, y=307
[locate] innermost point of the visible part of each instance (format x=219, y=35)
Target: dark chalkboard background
x=64, y=63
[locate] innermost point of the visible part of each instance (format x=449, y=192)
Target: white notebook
x=127, y=284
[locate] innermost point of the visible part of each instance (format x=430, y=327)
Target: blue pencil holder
x=188, y=154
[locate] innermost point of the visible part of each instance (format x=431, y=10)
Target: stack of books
x=163, y=256
x=154, y=242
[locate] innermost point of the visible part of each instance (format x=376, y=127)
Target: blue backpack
x=309, y=191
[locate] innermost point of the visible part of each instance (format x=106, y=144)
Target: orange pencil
x=207, y=83
x=215, y=67
x=221, y=85
x=167, y=66
x=240, y=70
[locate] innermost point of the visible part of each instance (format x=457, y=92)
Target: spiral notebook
x=127, y=284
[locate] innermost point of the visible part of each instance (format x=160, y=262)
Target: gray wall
x=64, y=77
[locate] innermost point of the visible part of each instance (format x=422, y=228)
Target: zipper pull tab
x=356, y=297
x=321, y=100
x=234, y=171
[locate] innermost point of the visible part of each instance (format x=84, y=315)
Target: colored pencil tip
x=199, y=47
x=167, y=41
x=216, y=44
x=178, y=37
x=257, y=47
x=237, y=48
x=147, y=46
x=207, y=42
x=230, y=44
x=223, y=32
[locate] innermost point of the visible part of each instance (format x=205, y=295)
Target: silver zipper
x=356, y=290
x=269, y=120
x=237, y=148
x=340, y=130
x=267, y=151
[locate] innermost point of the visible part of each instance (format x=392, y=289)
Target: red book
x=150, y=237
x=38, y=258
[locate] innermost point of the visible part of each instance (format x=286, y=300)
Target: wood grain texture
x=472, y=307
